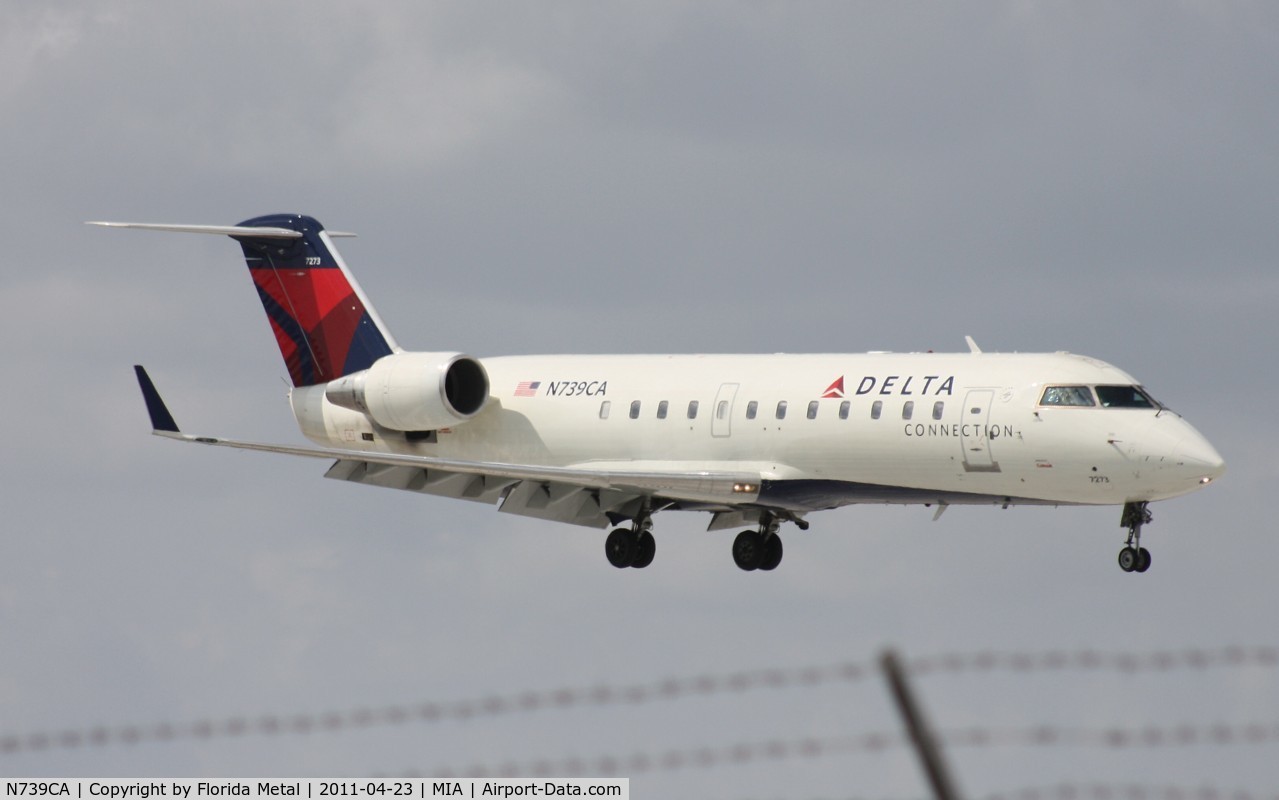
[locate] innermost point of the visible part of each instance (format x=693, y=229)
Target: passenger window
x=635, y=409
x=908, y=410
x=721, y=410
x=661, y=409
x=843, y=409
x=1079, y=396
x=876, y=408
x=937, y=409
x=812, y=409
x=751, y=409
x=604, y=407
x=692, y=409
x=781, y=409
x=1124, y=397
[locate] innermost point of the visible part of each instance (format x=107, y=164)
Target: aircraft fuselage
x=819, y=430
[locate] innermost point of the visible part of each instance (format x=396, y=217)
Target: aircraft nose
x=1200, y=457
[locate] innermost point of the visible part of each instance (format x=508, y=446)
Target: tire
x=748, y=550
x=1128, y=559
x=1143, y=560
x=772, y=553
x=620, y=547
x=645, y=549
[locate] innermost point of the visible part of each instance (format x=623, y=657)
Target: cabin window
x=908, y=409
x=843, y=409
x=721, y=410
x=635, y=409
x=1079, y=396
x=692, y=409
x=752, y=408
x=876, y=408
x=1124, y=397
x=781, y=409
x=661, y=409
x=938, y=407
x=604, y=408
x=812, y=409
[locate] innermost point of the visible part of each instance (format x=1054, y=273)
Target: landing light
x=1205, y=480
x=744, y=488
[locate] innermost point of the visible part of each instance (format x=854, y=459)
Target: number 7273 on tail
x=755, y=441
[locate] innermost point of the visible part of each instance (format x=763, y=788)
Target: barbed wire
x=813, y=747
x=1093, y=660
x=662, y=690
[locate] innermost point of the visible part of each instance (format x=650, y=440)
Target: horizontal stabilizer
x=222, y=230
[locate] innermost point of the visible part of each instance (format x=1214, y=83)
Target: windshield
x=1125, y=397
x=1066, y=396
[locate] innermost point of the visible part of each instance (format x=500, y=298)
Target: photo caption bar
x=313, y=789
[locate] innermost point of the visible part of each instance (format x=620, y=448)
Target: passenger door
x=975, y=426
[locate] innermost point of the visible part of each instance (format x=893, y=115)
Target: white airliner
x=754, y=440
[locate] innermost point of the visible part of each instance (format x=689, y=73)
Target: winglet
x=161, y=419
x=972, y=345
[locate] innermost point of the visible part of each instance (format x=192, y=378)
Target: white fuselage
x=875, y=427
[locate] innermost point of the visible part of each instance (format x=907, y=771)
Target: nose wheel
x=1134, y=557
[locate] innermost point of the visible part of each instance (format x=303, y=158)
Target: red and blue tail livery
x=321, y=321
x=325, y=326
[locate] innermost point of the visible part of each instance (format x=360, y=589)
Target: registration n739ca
x=755, y=441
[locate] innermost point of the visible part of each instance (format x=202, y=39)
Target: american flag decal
x=527, y=388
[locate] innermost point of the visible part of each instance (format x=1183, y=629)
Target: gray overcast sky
x=653, y=177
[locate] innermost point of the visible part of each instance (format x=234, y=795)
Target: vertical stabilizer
x=323, y=323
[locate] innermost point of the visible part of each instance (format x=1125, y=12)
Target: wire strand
x=663, y=690
x=814, y=747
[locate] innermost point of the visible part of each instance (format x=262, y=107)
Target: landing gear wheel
x=1128, y=559
x=772, y=553
x=1143, y=560
x=1134, y=557
x=621, y=547
x=645, y=549
x=748, y=550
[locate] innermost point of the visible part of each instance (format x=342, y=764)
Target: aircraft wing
x=577, y=495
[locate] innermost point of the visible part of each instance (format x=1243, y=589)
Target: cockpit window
x=1125, y=397
x=1067, y=396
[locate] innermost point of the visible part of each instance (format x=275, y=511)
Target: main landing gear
x=752, y=549
x=632, y=547
x=760, y=549
x=1134, y=557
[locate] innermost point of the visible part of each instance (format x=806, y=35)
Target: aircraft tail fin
x=322, y=321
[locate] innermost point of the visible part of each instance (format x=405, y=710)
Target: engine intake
x=415, y=391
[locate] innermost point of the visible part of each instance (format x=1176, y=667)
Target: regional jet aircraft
x=756, y=441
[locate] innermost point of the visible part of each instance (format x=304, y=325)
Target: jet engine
x=415, y=391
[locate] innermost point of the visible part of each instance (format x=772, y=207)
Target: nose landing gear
x=1134, y=557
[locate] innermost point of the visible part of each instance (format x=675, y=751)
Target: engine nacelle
x=415, y=391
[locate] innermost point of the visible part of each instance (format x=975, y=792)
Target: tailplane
x=324, y=325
